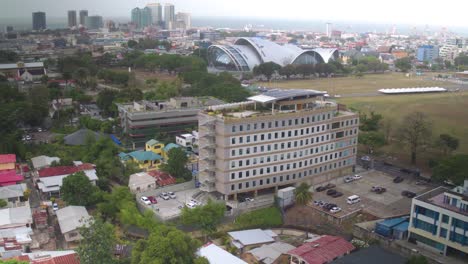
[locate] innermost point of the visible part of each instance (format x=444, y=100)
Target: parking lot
x=171, y=208
x=387, y=204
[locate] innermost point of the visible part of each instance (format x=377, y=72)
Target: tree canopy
x=302, y=194
x=403, y=64
x=415, y=130
x=206, y=217
x=453, y=168
x=176, y=164
x=267, y=69
x=98, y=243
x=78, y=190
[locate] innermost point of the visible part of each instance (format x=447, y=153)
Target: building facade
x=39, y=20
x=183, y=20
x=439, y=220
x=72, y=18
x=276, y=140
x=156, y=13
x=94, y=22
x=427, y=53
x=169, y=16
x=141, y=121
x=141, y=17
x=83, y=15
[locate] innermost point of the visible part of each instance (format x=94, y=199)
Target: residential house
x=50, y=257
x=274, y=253
x=49, y=180
x=321, y=250
x=70, y=219
x=247, y=239
x=80, y=137
x=141, y=182
x=7, y=162
x=146, y=160
x=187, y=140
x=15, y=228
x=154, y=146
x=217, y=255
x=167, y=148
x=43, y=161
x=162, y=178
x=13, y=193
x=10, y=177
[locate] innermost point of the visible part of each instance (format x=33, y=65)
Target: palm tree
x=302, y=194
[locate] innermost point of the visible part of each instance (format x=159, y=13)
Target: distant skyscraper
x=141, y=17
x=83, y=15
x=169, y=15
x=93, y=22
x=328, y=30
x=39, y=20
x=184, y=20
x=9, y=29
x=427, y=53
x=72, y=18
x=156, y=13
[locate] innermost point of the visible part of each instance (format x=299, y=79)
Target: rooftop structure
x=322, y=250
x=43, y=161
x=246, y=53
x=276, y=139
x=79, y=137
x=10, y=177
x=439, y=220
x=244, y=238
x=217, y=255
x=70, y=219
x=269, y=253
x=413, y=90
x=142, y=181
x=15, y=217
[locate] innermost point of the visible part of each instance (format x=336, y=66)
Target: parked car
x=398, y=179
x=378, y=190
x=317, y=202
x=329, y=206
x=145, y=200
x=320, y=189
x=348, y=179
x=408, y=194
x=172, y=195
x=194, y=201
x=331, y=192
x=330, y=186
x=191, y=205
x=248, y=199
x=335, y=210
x=164, y=196
x=337, y=194
x=152, y=199
x=55, y=206
x=357, y=177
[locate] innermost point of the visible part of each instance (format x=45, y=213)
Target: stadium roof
x=412, y=90
x=278, y=95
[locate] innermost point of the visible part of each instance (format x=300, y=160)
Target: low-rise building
x=146, y=160
x=141, y=120
x=274, y=253
x=10, y=177
x=7, y=162
x=70, y=219
x=80, y=137
x=31, y=71
x=13, y=193
x=217, y=255
x=49, y=180
x=321, y=250
x=247, y=239
x=41, y=162
x=141, y=182
x=187, y=140
x=154, y=146
x=439, y=220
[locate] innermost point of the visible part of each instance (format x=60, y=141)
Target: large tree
x=78, y=190
x=372, y=139
x=453, y=168
x=415, y=131
x=165, y=245
x=302, y=194
x=267, y=69
x=206, y=217
x=98, y=243
x=176, y=164
x=447, y=143
x=403, y=64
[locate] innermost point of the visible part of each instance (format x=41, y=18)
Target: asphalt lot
x=388, y=204
x=169, y=209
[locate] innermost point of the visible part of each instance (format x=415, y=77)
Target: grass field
x=448, y=111
x=351, y=85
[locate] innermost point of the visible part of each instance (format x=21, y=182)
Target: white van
x=353, y=199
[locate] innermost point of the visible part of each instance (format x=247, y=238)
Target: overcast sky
x=446, y=13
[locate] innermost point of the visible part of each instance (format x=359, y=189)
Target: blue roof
x=393, y=222
x=123, y=156
x=152, y=142
x=141, y=155
x=402, y=227
x=170, y=146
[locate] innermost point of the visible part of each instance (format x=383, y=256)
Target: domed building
x=246, y=53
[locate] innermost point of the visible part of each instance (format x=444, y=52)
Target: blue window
x=443, y=232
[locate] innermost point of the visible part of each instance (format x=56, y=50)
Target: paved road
x=34, y=197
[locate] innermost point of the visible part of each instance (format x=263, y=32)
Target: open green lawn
x=367, y=84
x=448, y=111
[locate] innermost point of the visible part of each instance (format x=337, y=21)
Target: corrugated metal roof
x=7, y=158
x=64, y=170
x=393, y=221
x=280, y=94
x=217, y=255
x=9, y=177
x=322, y=250
x=72, y=217
x=141, y=155
x=252, y=237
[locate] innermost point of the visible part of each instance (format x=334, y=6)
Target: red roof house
x=322, y=250
x=162, y=178
x=64, y=170
x=7, y=161
x=9, y=177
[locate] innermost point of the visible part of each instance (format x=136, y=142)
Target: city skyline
x=415, y=12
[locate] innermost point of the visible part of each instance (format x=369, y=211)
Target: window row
x=290, y=122
x=293, y=166
x=286, y=178
x=288, y=134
